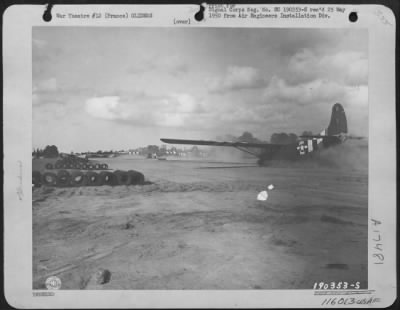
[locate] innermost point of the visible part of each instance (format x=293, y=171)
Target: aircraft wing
x=218, y=143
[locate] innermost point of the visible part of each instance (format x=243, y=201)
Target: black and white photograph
x=199, y=158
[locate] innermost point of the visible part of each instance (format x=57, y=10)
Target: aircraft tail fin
x=338, y=123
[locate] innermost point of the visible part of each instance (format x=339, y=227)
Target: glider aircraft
x=335, y=134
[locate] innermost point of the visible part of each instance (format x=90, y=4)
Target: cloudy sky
x=118, y=88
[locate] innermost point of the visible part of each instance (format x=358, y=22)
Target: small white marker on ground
x=262, y=196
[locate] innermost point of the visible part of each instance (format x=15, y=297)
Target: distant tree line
x=50, y=151
x=283, y=138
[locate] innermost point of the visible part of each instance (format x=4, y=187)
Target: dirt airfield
x=199, y=225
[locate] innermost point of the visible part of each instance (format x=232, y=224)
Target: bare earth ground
x=199, y=227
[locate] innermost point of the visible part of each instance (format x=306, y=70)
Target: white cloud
x=170, y=119
x=357, y=96
x=318, y=90
x=357, y=72
x=171, y=64
x=45, y=85
x=108, y=108
x=42, y=89
x=348, y=67
x=172, y=111
x=47, y=113
x=317, y=93
x=236, y=78
x=151, y=63
x=180, y=103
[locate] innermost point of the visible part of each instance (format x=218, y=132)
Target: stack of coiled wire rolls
x=77, y=178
